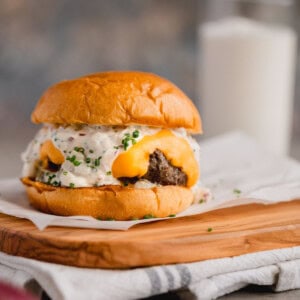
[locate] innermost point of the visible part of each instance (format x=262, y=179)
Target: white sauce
x=101, y=144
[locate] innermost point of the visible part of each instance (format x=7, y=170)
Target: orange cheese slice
x=135, y=161
x=49, y=151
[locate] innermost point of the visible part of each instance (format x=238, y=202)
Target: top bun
x=118, y=98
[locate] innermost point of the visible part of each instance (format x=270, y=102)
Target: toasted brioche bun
x=118, y=98
x=116, y=202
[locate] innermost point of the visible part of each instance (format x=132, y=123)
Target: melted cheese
x=135, y=161
x=49, y=152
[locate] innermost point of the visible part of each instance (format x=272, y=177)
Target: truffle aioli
x=89, y=153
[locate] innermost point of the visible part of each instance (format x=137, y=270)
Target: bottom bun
x=108, y=202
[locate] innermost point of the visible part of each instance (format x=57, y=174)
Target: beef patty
x=160, y=171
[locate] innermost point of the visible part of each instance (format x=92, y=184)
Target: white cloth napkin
x=207, y=280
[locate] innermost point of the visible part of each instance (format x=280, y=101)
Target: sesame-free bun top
x=118, y=98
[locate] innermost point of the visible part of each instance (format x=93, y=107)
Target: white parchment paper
x=229, y=163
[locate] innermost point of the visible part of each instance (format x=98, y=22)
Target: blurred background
x=42, y=42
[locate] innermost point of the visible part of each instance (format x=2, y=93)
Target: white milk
x=247, y=74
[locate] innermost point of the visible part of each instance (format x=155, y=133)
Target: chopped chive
x=88, y=160
x=77, y=163
x=50, y=177
x=125, y=143
x=91, y=151
x=108, y=173
x=130, y=138
x=149, y=216
x=71, y=185
x=209, y=229
x=73, y=160
x=237, y=192
x=172, y=216
x=65, y=172
x=134, y=219
x=97, y=161
x=79, y=149
x=135, y=134
x=201, y=201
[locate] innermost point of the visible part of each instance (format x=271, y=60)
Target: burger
x=115, y=146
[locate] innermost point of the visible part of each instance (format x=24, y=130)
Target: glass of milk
x=247, y=63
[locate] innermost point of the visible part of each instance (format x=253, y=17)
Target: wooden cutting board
x=221, y=233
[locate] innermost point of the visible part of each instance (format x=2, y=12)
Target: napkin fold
x=279, y=269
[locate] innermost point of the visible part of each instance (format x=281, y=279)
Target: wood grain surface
x=220, y=233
